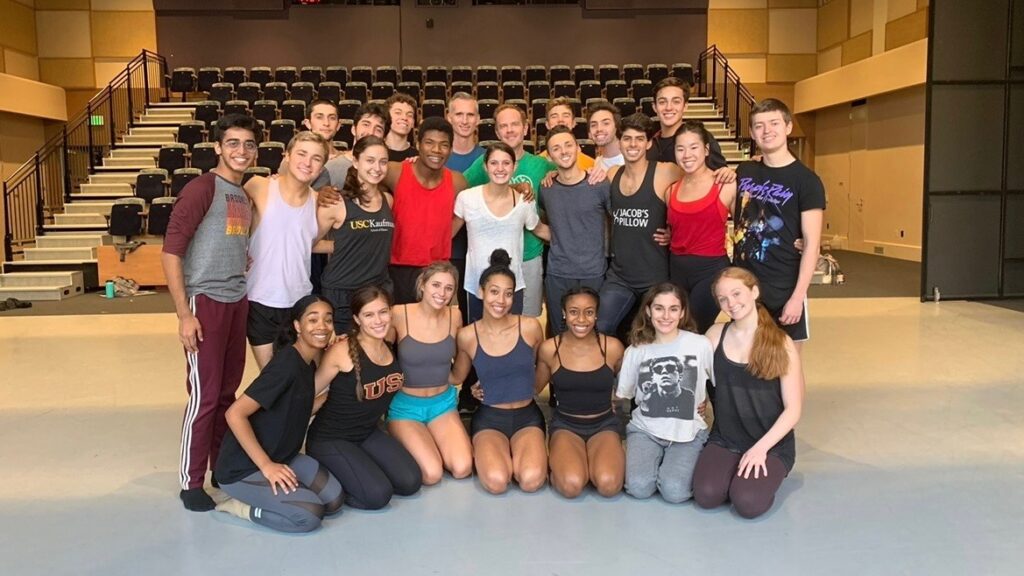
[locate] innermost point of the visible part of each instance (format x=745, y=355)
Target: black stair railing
x=718, y=80
x=41, y=186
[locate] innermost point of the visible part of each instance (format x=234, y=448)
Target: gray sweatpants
x=319, y=495
x=656, y=464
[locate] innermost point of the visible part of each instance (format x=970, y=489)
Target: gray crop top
x=426, y=365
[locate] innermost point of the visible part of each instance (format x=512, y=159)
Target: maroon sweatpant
x=214, y=373
x=715, y=481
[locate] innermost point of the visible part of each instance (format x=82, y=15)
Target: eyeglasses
x=250, y=145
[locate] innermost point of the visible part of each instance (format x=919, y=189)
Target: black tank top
x=343, y=416
x=362, y=248
x=636, y=259
x=583, y=393
x=746, y=407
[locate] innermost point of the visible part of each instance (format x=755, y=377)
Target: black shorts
x=265, y=323
x=585, y=428
x=799, y=331
x=508, y=421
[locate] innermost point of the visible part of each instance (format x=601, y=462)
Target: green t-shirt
x=530, y=168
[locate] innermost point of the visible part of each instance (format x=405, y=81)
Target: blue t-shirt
x=459, y=162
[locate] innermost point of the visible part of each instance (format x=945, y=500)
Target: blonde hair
x=642, y=331
x=769, y=358
x=310, y=136
x=438, y=267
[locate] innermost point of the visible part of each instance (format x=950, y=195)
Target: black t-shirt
x=284, y=390
x=343, y=416
x=769, y=205
x=401, y=155
x=664, y=150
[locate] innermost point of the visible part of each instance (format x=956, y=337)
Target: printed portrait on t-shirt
x=666, y=387
x=758, y=230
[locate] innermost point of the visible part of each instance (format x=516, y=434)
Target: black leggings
x=715, y=481
x=370, y=471
x=694, y=274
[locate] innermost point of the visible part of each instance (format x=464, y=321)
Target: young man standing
x=464, y=116
x=402, y=114
x=670, y=98
x=559, y=112
x=577, y=212
x=204, y=259
x=603, y=122
x=510, y=123
x=779, y=201
x=370, y=119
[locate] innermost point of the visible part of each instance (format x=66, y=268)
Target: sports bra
x=508, y=378
x=426, y=364
x=583, y=393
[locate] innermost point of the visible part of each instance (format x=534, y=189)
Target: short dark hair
x=435, y=124
x=639, y=122
x=320, y=102
x=605, y=106
x=498, y=146
x=555, y=132
x=403, y=98
x=673, y=82
x=696, y=127
x=243, y=121
x=373, y=109
x=771, y=105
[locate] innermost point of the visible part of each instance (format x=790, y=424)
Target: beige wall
x=853, y=30
x=767, y=41
x=18, y=52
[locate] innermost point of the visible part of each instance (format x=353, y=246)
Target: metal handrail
x=717, y=79
x=42, y=185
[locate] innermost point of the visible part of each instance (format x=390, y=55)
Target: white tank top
x=280, y=250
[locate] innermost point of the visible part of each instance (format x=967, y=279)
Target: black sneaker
x=197, y=500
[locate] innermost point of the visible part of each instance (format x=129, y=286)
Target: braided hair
x=359, y=299
x=352, y=189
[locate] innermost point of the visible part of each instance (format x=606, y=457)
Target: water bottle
x=109, y=293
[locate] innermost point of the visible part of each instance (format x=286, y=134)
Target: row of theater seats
x=186, y=79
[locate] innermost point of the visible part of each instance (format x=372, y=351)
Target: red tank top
x=423, y=220
x=698, y=226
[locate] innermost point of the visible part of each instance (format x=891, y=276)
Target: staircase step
x=123, y=169
x=79, y=219
x=111, y=190
x=154, y=140
x=166, y=105
x=42, y=293
x=88, y=207
x=111, y=178
x=37, y=286
x=153, y=130
x=135, y=152
x=76, y=253
x=73, y=240
x=88, y=268
x=74, y=228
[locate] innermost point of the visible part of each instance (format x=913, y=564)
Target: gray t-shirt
x=577, y=214
x=334, y=172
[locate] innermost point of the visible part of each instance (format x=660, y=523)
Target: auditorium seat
x=540, y=128
x=282, y=131
x=159, y=216
x=386, y=74
x=204, y=157
x=181, y=177
x=487, y=90
x=683, y=71
x=330, y=91
x=536, y=74
x=411, y=89
x=172, y=156
x=362, y=74
x=294, y=110
x=286, y=74
x=591, y=102
x=269, y=155
x=235, y=75
x=126, y=217
x=583, y=73
x=222, y=92
x=435, y=91
x=577, y=106
x=382, y=90
x=459, y=86
x=657, y=72
x=276, y=91
x=432, y=108
x=529, y=147
x=312, y=74
x=437, y=74
x=255, y=171
x=304, y=91
x=461, y=74
x=412, y=74
x=519, y=103
x=486, y=74
x=646, y=106
x=588, y=147
x=559, y=73
x=183, y=80
x=347, y=108
x=337, y=74
x=265, y=111
x=485, y=130
x=236, y=107
x=565, y=89
x=606, y=72
x=511, y=74
x=513, y=90
x=191, y=132
x=261, y=75
x=207, y=112
x=580, y=130
x=486, y=107
x=539, y=107
x=539, y=89
x=345, y=131
x=625, y=105
x=356, y=90
x=641, y=89
x=631, y=72
x=151, y=183
x=615, y=89
x=249, y=91
x=590, y=89
x=207, y=77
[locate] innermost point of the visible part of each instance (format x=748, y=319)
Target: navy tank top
x=746, y=407
x=508, y=378
x=362, y=248
x=426, y=364
x=582, y=393
x=636, y=259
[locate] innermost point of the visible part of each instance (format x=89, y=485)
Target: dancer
x=758, y=398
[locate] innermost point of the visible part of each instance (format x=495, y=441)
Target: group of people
x=440, y=257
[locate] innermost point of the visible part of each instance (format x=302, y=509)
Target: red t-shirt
x=423, y=220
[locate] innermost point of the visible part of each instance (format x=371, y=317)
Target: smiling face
x=464, y=117
x=770, y=131
x=562, y=150
x=602, y=127
x=690, y=151
x=435, y=147
x=669, y=105
x=372, y=164
x=510, y=127
x=634, y=144
x=735, y=298
x=580, y=315
x=497, y=294
x=666, y=313
x=374, y=318
x=305, y=161
x=368, y=125
x=323, y=120
x=315, y=326
x=560, y=116
x=402, y=118
x=499, y=167
x=237, y=149
x=438, y=289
